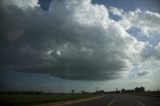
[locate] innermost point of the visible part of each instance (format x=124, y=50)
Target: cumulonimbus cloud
x=75, y=40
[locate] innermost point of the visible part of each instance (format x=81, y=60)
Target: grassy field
x=26, y=99
x=154, y=94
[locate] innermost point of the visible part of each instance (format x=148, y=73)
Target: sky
x=60, y=45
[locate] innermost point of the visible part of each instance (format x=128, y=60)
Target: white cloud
x=23, y=4
x=147, y=21
x=157, y=51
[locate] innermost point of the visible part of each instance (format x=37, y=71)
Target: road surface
x=121, y=100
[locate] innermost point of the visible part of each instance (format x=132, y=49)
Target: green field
x=28, y=99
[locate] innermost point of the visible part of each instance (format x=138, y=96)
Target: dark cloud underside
x=68, y=41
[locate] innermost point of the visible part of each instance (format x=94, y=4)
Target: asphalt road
x=121, y=100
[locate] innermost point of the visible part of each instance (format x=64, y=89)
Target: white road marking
x=141, y=104
x=112, y=101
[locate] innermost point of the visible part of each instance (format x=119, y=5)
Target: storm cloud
x=74, y=40
x=142, y=73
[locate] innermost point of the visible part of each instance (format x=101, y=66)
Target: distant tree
x=142, y=89
x=117, y=91
x=72, y=91
x=123, y=91
x=129, y=91
x=100, y=92
x=83, y=92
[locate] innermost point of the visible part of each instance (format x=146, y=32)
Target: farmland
x=28, y=99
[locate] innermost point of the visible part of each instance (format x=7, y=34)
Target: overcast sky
x=60, y=45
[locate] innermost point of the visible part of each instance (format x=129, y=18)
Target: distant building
x=139, y=90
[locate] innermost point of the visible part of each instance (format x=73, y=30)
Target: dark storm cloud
x=142, y=73
x=62, y=43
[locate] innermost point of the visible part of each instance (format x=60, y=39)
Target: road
x=121, y=100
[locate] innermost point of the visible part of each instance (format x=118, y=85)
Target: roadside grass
x=152, y=93
x=28, y=99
